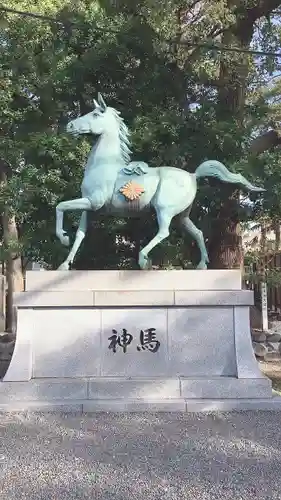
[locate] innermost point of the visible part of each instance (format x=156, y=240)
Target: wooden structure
x=272, y=263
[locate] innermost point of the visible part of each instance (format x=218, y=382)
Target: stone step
x=179, y=405
x=143, y=389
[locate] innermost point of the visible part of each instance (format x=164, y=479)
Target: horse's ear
x=96, y=103
x=101, y=102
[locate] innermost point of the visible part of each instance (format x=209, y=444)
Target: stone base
x=102, y=395
x=201, y=358
x=96, y=389
x=139, y=406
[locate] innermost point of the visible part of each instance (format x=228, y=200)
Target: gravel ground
x=139, y=456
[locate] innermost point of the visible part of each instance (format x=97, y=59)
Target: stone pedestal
x=133, y=341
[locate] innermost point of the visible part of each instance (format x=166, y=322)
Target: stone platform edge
x=125, y=280
x=130, y=298
x=136, y=406
x=111, y=392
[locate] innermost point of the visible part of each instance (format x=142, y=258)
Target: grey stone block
x=226, y=388
x=273, y=347
x=134, y=362
x=224, y=279
x=201, y=342
x=134, y=298
x=66, y=342
x=272, y=356
x=270, y=404
x=42, y=407
x=258, y=336
x=54, y=299
x=247, y=366
x=213, y=298
x=114, y=405
x=147, y=389
x=273, y=337
x=20, y=367
x=43, y=390
x=259, y=349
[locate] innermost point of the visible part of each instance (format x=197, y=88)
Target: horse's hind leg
x=199, y=238
x=164, y=220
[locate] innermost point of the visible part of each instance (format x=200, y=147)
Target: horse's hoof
x=144, y=262
x=202, y=265
x=64, y=267
x=148, y=264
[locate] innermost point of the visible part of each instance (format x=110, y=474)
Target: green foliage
x=51, y=72
x=271, y=276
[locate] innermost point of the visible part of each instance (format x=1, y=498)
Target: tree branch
x=265, y=142
x=246, y=18
x=263, y=8
x=212, y=34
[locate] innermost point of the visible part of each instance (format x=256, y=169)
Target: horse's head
x=102, y=119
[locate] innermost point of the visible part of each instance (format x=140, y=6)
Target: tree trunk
x=227, y=252
x=14, y=275
x=13, y=265
x=225, y=247
x=277, y=235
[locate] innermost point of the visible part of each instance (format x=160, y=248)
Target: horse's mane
x=124, y=133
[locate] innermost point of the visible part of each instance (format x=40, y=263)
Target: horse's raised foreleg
x=199, y=238
x=77, y=204
x=164, y=220
x=80, y=235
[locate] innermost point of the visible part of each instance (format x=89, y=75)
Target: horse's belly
x=143, y=187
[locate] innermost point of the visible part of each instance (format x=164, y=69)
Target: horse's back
x=134, y=192
x=162, y=188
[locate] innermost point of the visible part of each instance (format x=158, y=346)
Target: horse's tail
x=213, y=168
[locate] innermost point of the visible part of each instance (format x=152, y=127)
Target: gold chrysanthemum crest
x=131, y=191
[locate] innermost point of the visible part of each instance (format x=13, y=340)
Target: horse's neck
x=106, y=152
